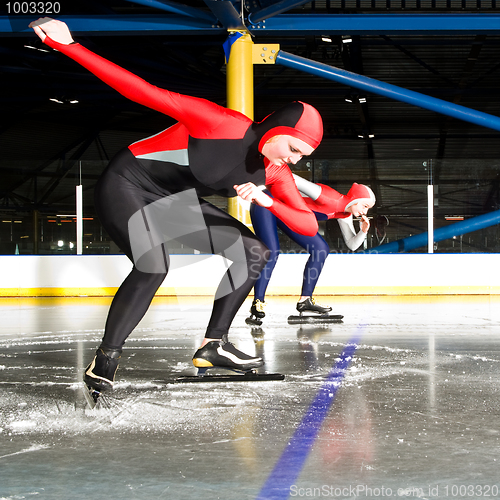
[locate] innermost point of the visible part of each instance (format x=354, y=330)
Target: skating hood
x=298, y=119
x=358, y=192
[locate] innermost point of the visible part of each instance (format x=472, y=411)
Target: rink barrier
x=198, y=275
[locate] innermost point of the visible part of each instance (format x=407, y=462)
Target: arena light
x=73, y=216
x=454, y=217
x=63, y=100
x=36, y=48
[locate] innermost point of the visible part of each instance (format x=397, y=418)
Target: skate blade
x=91, y=396
x=309, y=318
x=97, y=400
x=228, y=375
x=253, y=321
x=257, y=333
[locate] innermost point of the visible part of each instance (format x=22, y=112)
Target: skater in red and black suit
x=326, y=203
x=151, y=184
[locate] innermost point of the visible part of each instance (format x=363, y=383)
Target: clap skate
x=226, y=364
x=99, y=376
x=256, y=313
x=320, y=314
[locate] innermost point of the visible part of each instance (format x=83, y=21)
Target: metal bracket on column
x=265, y=53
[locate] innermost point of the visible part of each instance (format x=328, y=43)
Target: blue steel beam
x=443, y=233
x=176, y=8
x=379, y=24
x=145, y=24
x=388, y=90
x=284, y=24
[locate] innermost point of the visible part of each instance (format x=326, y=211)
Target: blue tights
x=266, y=228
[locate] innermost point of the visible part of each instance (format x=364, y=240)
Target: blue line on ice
x=289, y=465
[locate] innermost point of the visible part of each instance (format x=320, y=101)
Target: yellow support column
x=239, y=88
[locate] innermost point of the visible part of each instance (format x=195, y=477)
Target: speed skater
x=326, y=203
x=147, y=186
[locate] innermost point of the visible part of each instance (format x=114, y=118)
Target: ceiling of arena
x=60, y=124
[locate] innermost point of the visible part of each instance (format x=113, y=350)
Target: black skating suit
x=209, y=150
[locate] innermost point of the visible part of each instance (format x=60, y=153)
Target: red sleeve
x=312, y=205
x=288, y=204
x=329, y=202
x=202, y=118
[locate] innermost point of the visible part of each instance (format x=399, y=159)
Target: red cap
x=309, y=128
x=359, y=192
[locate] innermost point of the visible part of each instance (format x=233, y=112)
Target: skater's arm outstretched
x=202, y=118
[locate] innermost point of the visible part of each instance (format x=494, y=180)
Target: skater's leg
x=246, y=268
x=129, y=306
x=319, y=251
x=116, y=201
x=265, y=226
x=249, y=256
x=226, y=306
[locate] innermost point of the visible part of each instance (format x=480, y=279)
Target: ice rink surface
x=401, y=400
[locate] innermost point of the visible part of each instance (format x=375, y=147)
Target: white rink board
x=198, y=274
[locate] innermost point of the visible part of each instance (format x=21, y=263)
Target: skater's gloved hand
x=250, y=192
x=365, y=224
x=54, y=29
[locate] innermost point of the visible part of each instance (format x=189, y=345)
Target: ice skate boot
x=226, y=364
x=319, y=313
x=223, y=354
x=256, y=313
x=309, y=305
x=100, y=374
